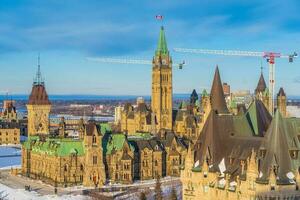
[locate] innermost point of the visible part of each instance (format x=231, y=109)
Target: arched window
x=66, y=168
x=94, y=139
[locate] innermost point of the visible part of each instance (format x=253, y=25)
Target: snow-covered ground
x=6, y=162
x=21, y=194
x=293, y=111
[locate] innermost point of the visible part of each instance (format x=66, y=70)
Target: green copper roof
x=198, y=103
x=55, y=147
x=233, y=103
x=204, y=93
x=258, y=117
x=266, y=92
x=105, y=128
x=115, y=142
x=253, y=117
x=183, y=105
x=162, y=48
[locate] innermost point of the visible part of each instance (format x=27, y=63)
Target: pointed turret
x=281, y=102
x=217, y=100
x=281, y=92
x=279, y=140
x=194, y=97
x=261, y=85
x=162, y=48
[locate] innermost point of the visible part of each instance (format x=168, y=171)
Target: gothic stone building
x=58, y=159
x=143, y=156
x=185, y=122
x=246, y=156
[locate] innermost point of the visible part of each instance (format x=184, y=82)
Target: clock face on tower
x=164, y=61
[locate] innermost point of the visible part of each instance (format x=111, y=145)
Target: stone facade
x=281, y=102
x=65, y=161
x=9, y=113
x=9, y=133
x=136, y=118
x=246, y=156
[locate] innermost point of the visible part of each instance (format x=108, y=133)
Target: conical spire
x=281, y=92
x=162, y=48
x=278, y=142
x=38, y=80
x=194, y=97
x=261, y=85
x=218, y=103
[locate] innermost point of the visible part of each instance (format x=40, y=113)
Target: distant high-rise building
x=226, y=89
x=118, y=112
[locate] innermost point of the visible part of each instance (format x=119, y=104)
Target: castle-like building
x=186, y=121
x=251, y=155
x=145, y=148
x=220, y=150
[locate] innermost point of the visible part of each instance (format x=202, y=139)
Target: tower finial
x=38, y=79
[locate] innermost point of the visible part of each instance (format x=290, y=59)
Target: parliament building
x=219, y=149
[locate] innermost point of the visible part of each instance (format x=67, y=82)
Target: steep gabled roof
x=224, y=136
x=91, y=128
x=258, y=117
x=217, y=100
x=280, y=138
x=261, y=85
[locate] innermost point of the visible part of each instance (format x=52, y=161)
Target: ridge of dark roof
x=279, y=134
x=281, y=92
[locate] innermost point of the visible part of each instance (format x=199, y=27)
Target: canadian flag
x=159, y=17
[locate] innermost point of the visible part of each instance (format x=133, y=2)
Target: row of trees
x=158, y=192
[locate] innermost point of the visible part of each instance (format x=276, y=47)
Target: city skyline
x=65, y=39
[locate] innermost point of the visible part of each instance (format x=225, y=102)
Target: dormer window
x=262, y=152
x=294, y=154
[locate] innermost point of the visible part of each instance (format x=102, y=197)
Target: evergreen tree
x=158, y=191
x=143, y=196
x=173, y=194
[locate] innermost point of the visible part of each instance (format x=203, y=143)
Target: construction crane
x=269, y=56
x=128, y=61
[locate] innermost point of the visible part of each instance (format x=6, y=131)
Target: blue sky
x=66, y=32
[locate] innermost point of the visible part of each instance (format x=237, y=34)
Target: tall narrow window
x=94, y=160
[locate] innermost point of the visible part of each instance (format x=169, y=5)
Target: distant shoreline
x=72, y=97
